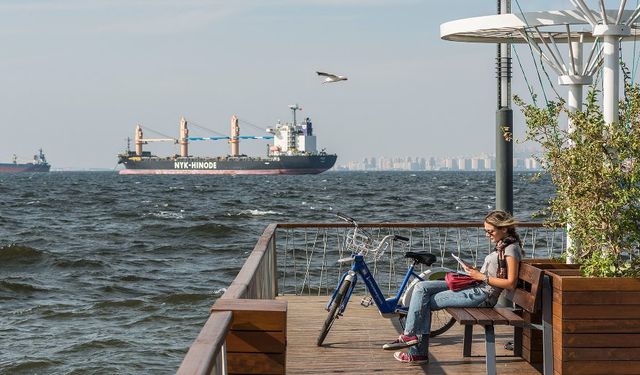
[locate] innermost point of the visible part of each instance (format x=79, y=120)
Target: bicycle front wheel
x=334, y=310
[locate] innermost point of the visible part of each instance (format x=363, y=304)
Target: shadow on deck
x=354, y=345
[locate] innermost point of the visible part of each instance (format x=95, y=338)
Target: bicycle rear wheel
x=334, y=310
x=441, y=321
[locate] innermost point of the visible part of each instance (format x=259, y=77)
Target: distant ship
x=39, y=164
x=292, y=152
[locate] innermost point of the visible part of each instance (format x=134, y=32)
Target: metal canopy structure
x=504, y=28
x=544, y=30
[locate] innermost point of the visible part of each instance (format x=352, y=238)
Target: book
x=462, y=262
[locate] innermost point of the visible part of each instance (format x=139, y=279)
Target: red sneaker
x=413, y=360
x=403, y=341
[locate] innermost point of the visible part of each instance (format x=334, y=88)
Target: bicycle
x=361, y=243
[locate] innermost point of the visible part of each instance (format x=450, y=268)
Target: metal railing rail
x=308, y=252
x=258, y=277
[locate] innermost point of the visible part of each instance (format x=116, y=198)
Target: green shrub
x=596, y=172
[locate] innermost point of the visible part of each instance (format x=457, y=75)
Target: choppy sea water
x=105, y=274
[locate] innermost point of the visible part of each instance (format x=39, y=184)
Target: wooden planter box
x=596, y=324
x=532, y=338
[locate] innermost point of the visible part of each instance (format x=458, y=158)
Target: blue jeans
x=434, y=295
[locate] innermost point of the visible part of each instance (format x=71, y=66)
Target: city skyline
x=523, y=157
x=484, y=162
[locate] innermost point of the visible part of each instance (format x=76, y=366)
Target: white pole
x=574, y=84
x=611, y=68
x=610, y=79
x=574, y=101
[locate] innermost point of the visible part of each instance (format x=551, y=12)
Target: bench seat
x=527, y=297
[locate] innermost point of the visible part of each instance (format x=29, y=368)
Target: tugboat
x=39, y=164
x=293, y=152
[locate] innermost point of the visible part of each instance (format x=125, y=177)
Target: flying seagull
x=331, y=77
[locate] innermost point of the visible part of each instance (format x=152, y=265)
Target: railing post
x=274, y=264
x=221, y=361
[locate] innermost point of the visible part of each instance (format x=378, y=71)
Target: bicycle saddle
x=421, y=257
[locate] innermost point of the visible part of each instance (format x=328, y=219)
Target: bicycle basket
x=360, y=242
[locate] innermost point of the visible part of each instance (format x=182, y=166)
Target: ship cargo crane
x=184, y=139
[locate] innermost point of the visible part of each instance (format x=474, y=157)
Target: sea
x=109, y=274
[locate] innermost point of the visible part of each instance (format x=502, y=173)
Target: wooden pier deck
x=354, y=345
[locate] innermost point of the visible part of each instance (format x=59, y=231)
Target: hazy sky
x=78, y=75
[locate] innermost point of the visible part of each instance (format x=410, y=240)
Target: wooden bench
x=528, y=297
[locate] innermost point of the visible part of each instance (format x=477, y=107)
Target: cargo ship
x=293, y=152
x=39, y=164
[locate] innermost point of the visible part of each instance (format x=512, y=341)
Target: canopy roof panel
x=508, y=28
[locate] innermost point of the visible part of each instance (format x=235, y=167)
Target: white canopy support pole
x=610, y=79
x=603, y=13
x=555, y=47
x=535, y=46
x=634, y=16
x=623, y=3
x=582, y=7
x=597, y=66
x=572, y=57
x=575, y=85
x=553, y=55
x=574, y=100
x=594, y=46
x=595, y=63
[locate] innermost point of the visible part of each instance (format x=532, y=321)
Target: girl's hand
x=474, y=273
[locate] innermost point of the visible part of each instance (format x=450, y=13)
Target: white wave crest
x=166, y=215
x=219, y=292
x=259, y=212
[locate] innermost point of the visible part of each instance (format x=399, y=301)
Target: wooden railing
x=255, y=283
x=246, y=331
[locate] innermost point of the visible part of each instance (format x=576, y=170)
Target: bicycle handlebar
x=401, y=238
x=347, y=218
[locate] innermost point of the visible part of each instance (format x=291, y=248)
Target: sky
x=77, y=76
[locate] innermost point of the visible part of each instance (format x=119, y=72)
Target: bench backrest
x=529, y=288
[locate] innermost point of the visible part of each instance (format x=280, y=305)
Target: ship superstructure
x=293, y=151
x=293, y=138
x=39, y=164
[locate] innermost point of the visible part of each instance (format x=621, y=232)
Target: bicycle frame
x=388, y=307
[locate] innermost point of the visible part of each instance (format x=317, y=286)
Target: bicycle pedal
x=366, y=301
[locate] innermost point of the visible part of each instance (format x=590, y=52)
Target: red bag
x=457, y=282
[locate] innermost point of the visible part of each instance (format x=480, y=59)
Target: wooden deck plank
x=354, y=345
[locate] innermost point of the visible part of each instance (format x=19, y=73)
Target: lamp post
x=504, y=123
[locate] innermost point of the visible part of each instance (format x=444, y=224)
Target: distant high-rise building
x=490, y=163
x=451, y=164
x=432, y=164
x=477, y=164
